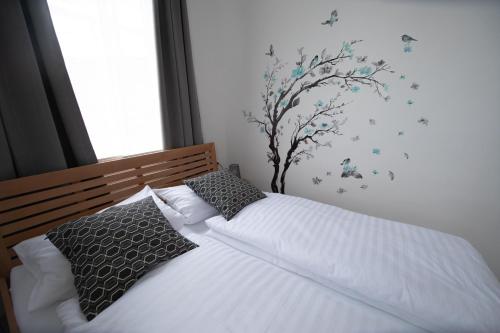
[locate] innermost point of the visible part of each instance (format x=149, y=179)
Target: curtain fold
x=181, y=122
x=42, y=127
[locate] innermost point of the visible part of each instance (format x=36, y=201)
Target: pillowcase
x=52, y=271
x=186, y=202
x=110, y=251
x=175, y=218
x=224, y=191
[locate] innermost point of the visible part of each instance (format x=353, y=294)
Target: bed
x=270, y=269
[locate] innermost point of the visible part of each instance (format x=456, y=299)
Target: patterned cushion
x=110, y=251
x=227, y=193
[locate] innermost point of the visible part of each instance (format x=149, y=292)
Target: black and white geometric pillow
x=110, y=251
x=227, y=193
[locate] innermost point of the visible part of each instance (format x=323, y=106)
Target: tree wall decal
x=310, y=128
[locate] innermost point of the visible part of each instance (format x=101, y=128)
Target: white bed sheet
x=215, y=288
x=40, y=321
x=434, y=280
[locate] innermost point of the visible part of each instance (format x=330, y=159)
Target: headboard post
x=5, y=260
x=31, y=206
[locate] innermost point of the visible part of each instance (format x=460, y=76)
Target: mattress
x=40, y=321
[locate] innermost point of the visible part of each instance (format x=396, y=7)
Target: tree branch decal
x=314, y=125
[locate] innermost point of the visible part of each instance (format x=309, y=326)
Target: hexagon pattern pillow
x=226, y=192
x=110, y=251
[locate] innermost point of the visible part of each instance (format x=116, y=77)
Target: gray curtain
x=41, y=125
x=180, y=112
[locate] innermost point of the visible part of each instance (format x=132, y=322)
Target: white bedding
x=434, y=280
x=40, y=321
x=215, y=288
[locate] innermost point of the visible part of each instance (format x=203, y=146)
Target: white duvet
x=434, y=280
x=217, y=289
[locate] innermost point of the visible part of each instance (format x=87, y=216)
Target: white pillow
x=52, y=271
x=176, y=219
x=188, y=203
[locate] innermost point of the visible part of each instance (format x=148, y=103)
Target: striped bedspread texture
x=433, y=280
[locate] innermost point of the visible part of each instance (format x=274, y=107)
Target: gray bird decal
x=271, y=51
x=314, y=61
x=423, y=121
x=333, y=18
x=349, y=170
x=407, y=38
x=341, y=190
x=414, y=86
x=391, y=175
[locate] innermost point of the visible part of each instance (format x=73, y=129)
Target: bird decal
x=271, y=51
x=341, y=190
x=407, y=40
x=314, y=61
x=363, y=187
x=328, y=173
x=334, y=17
x=391, y=175
x=372, y=121
x=414, y=86
x=423, y=121
x=406, y=155
x=355, y=138
x=349, y=170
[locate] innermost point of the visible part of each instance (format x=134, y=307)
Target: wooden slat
x=86, y=184
x=29, y=184
x=31, y=206
x=84, y=195
x=78, y=206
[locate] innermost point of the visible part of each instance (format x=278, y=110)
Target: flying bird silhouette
x=348, y=170
x=423, y=121
x=407, y=38
x=391, y=175
x=271, y=51
x=414, y=86
x=333, y=18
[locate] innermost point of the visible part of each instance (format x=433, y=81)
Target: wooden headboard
x=31, y=206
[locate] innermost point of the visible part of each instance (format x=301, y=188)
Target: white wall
x=449, y=183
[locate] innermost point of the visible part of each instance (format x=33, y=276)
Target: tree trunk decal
x=311, y=128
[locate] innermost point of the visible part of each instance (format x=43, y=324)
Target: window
x=110, y=54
